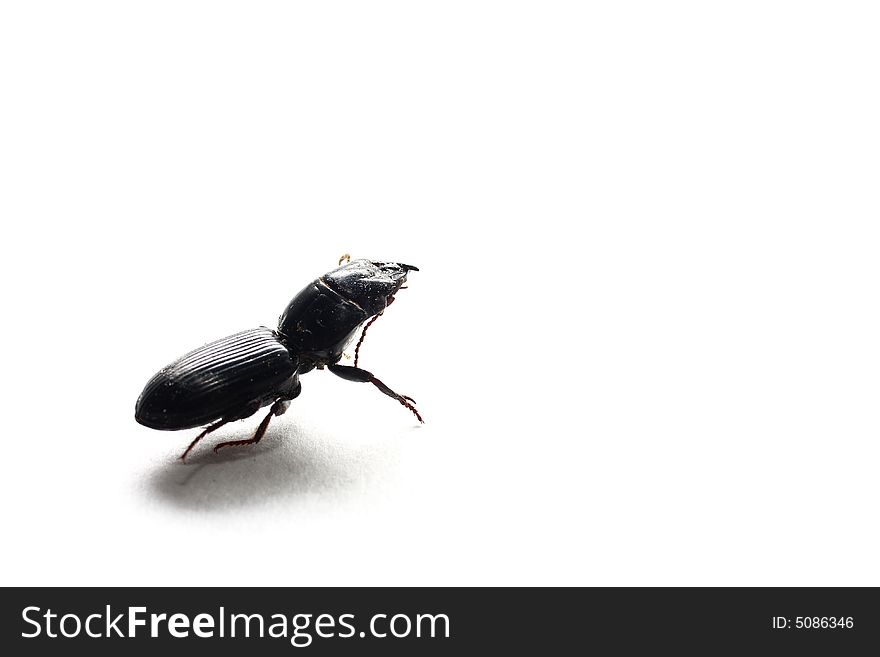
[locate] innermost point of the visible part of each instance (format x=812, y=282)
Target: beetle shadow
x=288, y=464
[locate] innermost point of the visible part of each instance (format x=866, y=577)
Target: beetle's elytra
x=233, y=378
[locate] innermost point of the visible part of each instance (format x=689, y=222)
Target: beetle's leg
x=278, y=408
x=204, y=433
x=362, y=376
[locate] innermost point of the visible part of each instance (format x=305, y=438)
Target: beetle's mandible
x=233, y=378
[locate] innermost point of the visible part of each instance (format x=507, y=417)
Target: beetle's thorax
x=319, y=321
x=322, y=319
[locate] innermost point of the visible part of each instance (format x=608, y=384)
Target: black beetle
x=233, y=378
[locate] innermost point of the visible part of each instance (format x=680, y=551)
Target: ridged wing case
x=242, y=371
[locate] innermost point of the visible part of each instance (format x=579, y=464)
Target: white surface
x=644, y=337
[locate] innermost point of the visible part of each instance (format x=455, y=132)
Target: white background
x=644, y=337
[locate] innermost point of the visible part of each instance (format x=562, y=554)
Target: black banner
x=438, y=621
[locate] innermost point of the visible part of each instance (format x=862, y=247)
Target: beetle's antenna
x=344, y=258
x=357, y=349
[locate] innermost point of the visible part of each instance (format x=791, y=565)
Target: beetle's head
x=370, y=284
